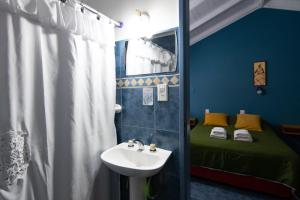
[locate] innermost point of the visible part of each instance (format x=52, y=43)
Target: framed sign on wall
x=259, y=73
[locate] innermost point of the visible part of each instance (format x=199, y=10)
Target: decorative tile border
x=148, y=81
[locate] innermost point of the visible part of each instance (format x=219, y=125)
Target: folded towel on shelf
x=218, y=132
x=242, y=135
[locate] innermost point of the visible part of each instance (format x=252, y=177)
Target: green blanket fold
x=267, y=157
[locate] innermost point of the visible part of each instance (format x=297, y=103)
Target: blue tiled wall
x=157, y=124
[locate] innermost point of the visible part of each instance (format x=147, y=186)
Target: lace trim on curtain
x=14, y=157
x=65, y=16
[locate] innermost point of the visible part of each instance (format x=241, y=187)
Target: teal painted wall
x=221, y=67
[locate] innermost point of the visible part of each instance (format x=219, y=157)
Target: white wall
x=164, y=14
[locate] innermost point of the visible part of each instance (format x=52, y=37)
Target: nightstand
x=290, y=129
x=193, y=122
x=291, y=135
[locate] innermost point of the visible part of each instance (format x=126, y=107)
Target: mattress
x=268, y=157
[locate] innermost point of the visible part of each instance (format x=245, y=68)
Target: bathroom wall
x=157, y=124
x=221, y=67
x=163, y=14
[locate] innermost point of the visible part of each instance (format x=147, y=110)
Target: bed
x=268, y=160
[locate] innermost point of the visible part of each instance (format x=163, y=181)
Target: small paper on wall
x=148, y=96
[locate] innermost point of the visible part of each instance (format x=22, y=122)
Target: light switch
x=162, y=92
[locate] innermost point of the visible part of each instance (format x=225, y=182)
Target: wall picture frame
x=148, y=96
x=260, y=73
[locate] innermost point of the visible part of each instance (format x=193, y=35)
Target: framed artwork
x=148, y=96
x=260, y=73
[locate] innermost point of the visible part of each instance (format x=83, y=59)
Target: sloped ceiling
x=209, y=16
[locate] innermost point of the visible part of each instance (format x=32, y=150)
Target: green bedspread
x=267, y=157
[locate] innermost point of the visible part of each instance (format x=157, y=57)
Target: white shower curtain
x=57, y=97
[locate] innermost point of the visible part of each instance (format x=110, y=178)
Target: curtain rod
x=99, y=15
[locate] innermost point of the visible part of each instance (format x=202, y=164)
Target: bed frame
x=244, y=181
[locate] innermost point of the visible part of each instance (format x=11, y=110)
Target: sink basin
x=129, y=161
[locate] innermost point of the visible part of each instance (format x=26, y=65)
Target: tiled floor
x=206, y=190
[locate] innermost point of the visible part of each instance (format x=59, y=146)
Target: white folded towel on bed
x=242, y=135
x=218, y=132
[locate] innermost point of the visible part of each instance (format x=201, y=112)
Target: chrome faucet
x=139, y=143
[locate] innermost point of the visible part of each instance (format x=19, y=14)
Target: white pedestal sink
x=137, y=165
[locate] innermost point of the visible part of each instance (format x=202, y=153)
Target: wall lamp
x=260, y=91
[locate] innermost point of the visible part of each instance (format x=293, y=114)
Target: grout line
x=139, y=127
x=121, y=124
x=154, y=105
x=171, y=131
x=167, y=130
